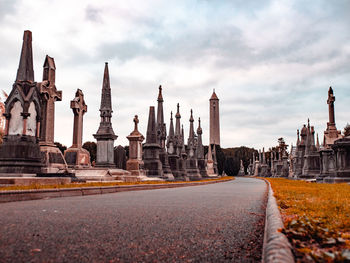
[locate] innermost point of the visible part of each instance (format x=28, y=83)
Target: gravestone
x=76, y=156
x=120, y=157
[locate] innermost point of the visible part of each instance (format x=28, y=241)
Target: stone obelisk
x=172, y=149
x=152, y=164
x=52, y=157
x=76, y=156
x=200, y=151
x=105, y=135
x=192, y=162
x=20, y=151
x=161, y=137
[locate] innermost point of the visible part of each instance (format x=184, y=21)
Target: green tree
x=91, y=147
x=346, y=131
x=61, y=147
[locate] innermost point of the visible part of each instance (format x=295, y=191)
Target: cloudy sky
x=270, y=62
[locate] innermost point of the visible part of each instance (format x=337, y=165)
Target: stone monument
x=76, y=156
x=53, y=159
x=200, y=151
x=120, y=157
x=172, y=150
x=135, y=164
x=105, y=135
x=241, y=169
x=331, y=134
x=20, y=150
x=311, y=167
x=161, y=137
x=152, y=163
x=192, y=162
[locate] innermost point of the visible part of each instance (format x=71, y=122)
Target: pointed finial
x=25, y=70
x=199, y=121
x=191, y=118
x=171, y=115
x=160, y=96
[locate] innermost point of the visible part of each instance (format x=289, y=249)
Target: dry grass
x=96, y=184
x=316, y=214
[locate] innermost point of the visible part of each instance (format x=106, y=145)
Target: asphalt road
x=210, y=223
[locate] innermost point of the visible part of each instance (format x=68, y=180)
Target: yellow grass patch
x=97, y=184
x=316, y=217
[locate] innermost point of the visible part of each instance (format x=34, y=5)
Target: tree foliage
x=61, y=147
x=233, y=157
x=346, y=131
x=91, y=147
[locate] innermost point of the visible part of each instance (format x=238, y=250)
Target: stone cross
x=136, y=121
x=49, y=95
x=79, y=109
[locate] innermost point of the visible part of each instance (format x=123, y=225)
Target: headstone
x=120, y=157
x=172, y=150
x=20, y=150
x=180, y=151
x=53, y=159
x=311, y=167
x=76, y=156
x=105, y=135
x=135, y=164
x=241, y=169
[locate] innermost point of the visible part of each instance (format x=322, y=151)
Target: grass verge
x=316, y=219
x=97, y=184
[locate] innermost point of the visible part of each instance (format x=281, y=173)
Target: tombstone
x=105, y=135
x=311, y=167
x=76, y=156
x=53, y=159
x=180, y=150
x=210, y=163
x=331, y=134
x=135, y=164
x=161, y=137
x=200, y=151
x=20, y=150
x=152, y=163
x=192, y=162
x=241, y=169
x=120, y=157
x=173, y=157
x=341, y=148
x=263, y=165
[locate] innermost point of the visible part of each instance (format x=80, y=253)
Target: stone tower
x=20, y=151
x=152, y=164
x=214, y=120
x=161, y=137
x=105, y=135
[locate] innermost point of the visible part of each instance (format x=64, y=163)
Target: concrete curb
x=276, y=247
x=23, y=195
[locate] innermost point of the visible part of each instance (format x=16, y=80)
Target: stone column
x=135, y=163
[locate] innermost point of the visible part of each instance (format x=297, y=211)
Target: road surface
x=209, y=223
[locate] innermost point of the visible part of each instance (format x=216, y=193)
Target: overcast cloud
x=270, y=62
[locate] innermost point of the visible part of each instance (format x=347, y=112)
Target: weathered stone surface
x=152, y=164
x=120, y=157
x=214, y=131
x=105, y=135
x=76, y=156
x=191, y=161
x=20, y=151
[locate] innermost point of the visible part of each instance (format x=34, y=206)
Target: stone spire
x=161, y=127
x=171, y=127
x=200, y=148
x=191, y=133
x=263, y=156
x=106, y=107
x=105, y=135
x=298, y=138
x=25, y=70
x=171, y=137
x=151, y=136
x=183, y=150
x=178, y=125
x=317, y=143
